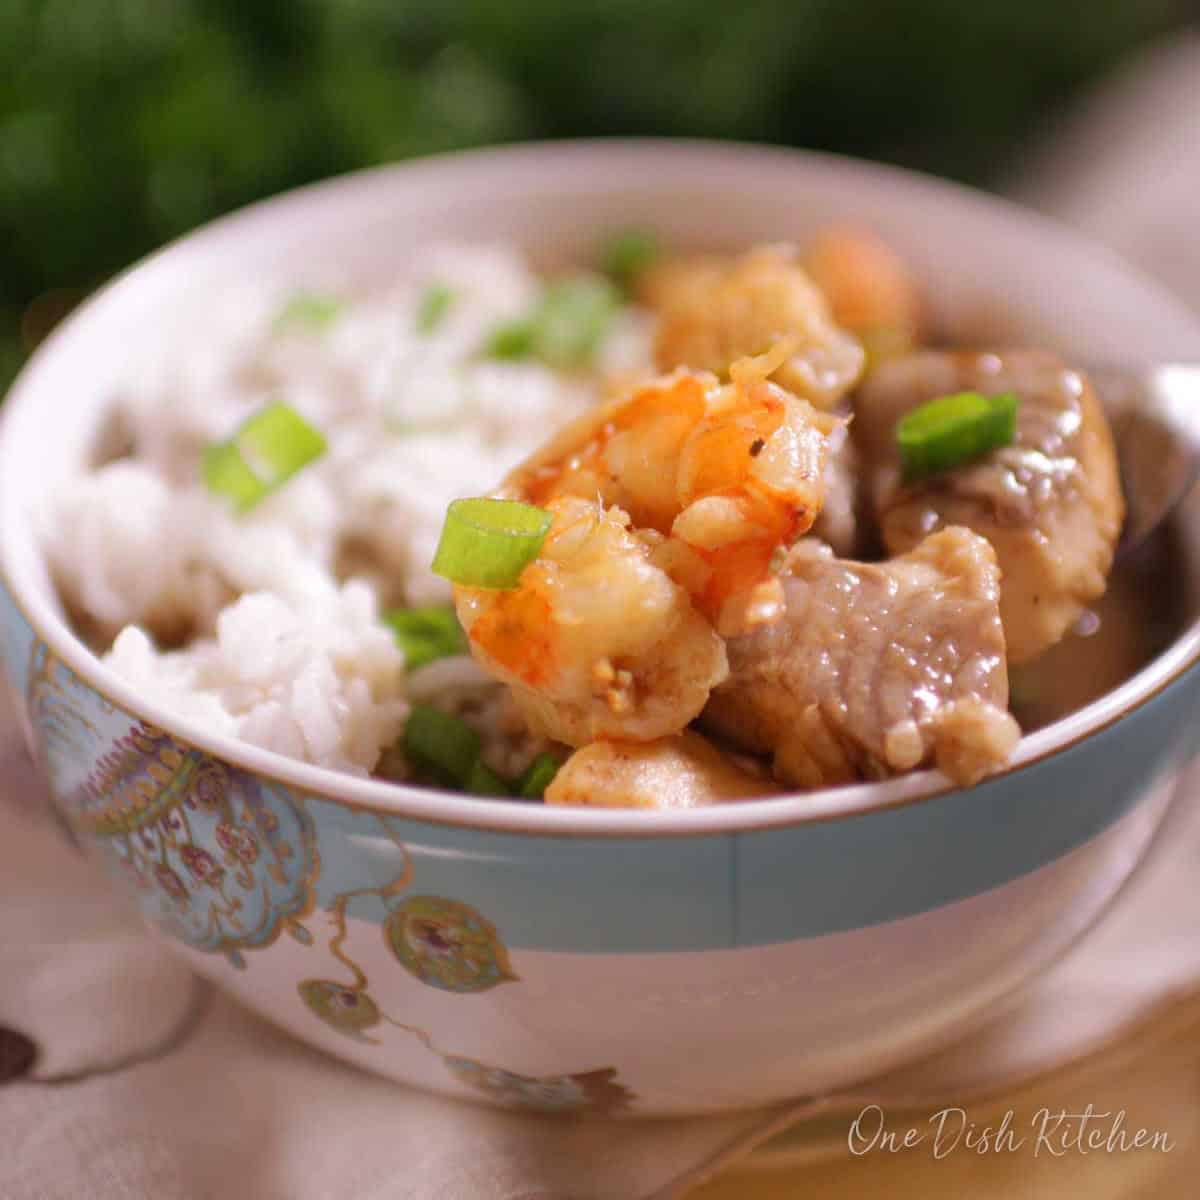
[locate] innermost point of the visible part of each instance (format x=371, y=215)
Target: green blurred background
x=124, y=123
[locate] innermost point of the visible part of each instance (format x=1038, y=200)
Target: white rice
x=276, y=613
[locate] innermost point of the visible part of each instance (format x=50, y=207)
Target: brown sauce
x=1139, y=615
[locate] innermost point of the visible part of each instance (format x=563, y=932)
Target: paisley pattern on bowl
x=219, y=859
x=225, y=862
x=349, y=1010
x=596, y=1091
x=447, y=945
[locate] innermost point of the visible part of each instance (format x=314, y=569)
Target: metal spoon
x=1155, y=417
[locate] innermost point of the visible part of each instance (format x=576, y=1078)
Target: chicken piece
x=596, y=640
x=684, y=771
x=728, y=473
x=715, y=311
x=870, y=289
x=876, y=667
x=1050, y=503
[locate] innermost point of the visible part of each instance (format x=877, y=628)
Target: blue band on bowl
x=782, y=884
x=121, y=785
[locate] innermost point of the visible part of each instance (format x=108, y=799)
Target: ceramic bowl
x=615, y=962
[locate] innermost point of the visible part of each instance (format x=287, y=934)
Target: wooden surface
x=1153, y=1077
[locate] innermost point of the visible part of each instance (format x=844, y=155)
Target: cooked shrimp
x=714, y=311
x=734, y=472
x=597, y=640
x=869, y=289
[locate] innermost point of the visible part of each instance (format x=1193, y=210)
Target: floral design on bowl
x=447, y=944
x=591, y=1091
x=349, y=1010
x=221, y=860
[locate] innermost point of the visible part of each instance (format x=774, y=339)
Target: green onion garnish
x=309, y=310
x=266, y=451
x=426, y=634
x=433, y=306
x=573, y=317
x=627, y=253
x=483, y=781
x=953, y=430
x=447, y=748
x=514, y=339
x=537, y=777
x=488, y=543
x=442, y=743
x=567, y=324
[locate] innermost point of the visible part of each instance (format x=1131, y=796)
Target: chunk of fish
x=876, y=668
x=1050, y=504
x=684, y=771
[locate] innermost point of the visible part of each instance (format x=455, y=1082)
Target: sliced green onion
x=483, y=781
x=488, y=543
x=953, y=430
x=309, y=310
x=441, y=742
x=227, y=476
x=567, y=324
x=572, y=319
x=433, y=306
x=266, y=451
x=627, y=253
x=537, y=777
x=514, y=339
x=446, y=747
x=426, y=634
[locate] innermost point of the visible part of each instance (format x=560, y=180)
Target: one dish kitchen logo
x=1048, y=1133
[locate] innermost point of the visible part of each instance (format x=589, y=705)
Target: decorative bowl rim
x=507, y=816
